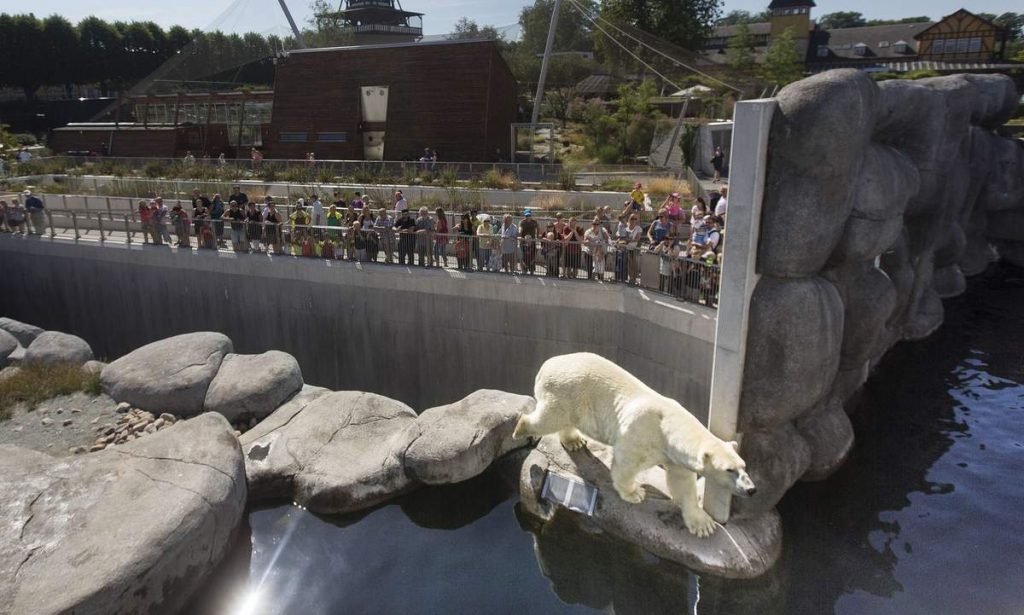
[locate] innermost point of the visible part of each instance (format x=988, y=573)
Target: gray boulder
x=137, y=528
x=828, y=432
x=870, y=301
x=453, y=443
x=171, y=375
x=8, y=344
x=949, y=281
x=740, y=549
x=864, y=239
x=332, y=452
x=793, y=343
x=248, y=386
x=776, y=459
x=23, y=332
x=51, y=347
x=93, y=367
x=996, y=101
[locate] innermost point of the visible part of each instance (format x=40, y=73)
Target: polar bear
x=586, y=394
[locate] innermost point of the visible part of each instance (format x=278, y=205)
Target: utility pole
x=291, y=22
x=544, y=64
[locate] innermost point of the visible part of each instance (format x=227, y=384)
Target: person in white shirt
x=400, y=204
x=318, y=211
x=723, y=203
x=595, y=245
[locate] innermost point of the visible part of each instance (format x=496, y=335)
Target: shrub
x=661, y=187
x=607, y=154
x=496, y=178
x=619, y=184
x=567, y=179
x=154, y=170
x=33, y=384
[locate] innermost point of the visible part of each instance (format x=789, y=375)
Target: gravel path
x=59, y=425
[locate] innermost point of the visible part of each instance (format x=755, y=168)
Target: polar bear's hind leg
x=682, y=486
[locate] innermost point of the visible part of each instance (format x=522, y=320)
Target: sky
x=440, y=15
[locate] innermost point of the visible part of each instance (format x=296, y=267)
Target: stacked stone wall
x=879, y=200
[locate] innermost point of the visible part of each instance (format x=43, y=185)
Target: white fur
x=586, y=394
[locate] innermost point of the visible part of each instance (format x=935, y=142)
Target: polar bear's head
x=723, y=465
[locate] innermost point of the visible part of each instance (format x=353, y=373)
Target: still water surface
x=924, y=518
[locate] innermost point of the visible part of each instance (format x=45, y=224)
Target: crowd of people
x=25, y=215
x=687, y=239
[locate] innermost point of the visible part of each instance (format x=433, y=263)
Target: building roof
x=903, y=67
x=754, y=29
x=785, y=4
x=961, y=13
x=879, y=42
x=599, y=85
x=430, y=43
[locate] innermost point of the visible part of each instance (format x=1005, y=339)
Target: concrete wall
x=879, y=199
x=424, y=337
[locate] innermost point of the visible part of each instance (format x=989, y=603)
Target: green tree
x=739, y=52
x=22, y=66
x=60, y=51
x=842, y=19
x=466, y=28
x=782, y=63
x=573, y=33
x=686, y=23
x=99, y=44
x=893, y=22
x=735, y=18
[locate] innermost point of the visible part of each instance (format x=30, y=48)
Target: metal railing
x=685, y=276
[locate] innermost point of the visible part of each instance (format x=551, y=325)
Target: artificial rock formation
x=171, y=375
x=332, y=452
x=253, y=386
x=8, y=344
x=55, y=347
x=879, y=199
x=135, y=529
x=23, y=332
x=743, y=548
x=452, y=443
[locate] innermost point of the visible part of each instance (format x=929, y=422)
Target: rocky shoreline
x=272, y=437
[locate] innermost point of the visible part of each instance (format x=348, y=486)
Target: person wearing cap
x=34, y=206
x=528, y=230
x=406, y=228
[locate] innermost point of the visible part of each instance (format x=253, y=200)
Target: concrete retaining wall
x=423, y=337
x=879, y=199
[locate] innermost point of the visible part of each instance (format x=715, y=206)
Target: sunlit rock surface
x=133, y=529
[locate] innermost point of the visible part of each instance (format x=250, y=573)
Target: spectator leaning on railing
x=34, y=207
x=528, y=230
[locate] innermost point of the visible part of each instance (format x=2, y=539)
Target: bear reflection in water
x=590, y=568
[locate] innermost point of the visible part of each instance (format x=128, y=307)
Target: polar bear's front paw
x=699, y=522
x=634, y=495
x=573, y=442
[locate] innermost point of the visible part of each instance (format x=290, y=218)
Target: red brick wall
x=457, y=98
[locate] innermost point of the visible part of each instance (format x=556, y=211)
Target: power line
x=654, y=49
x=614, y=40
